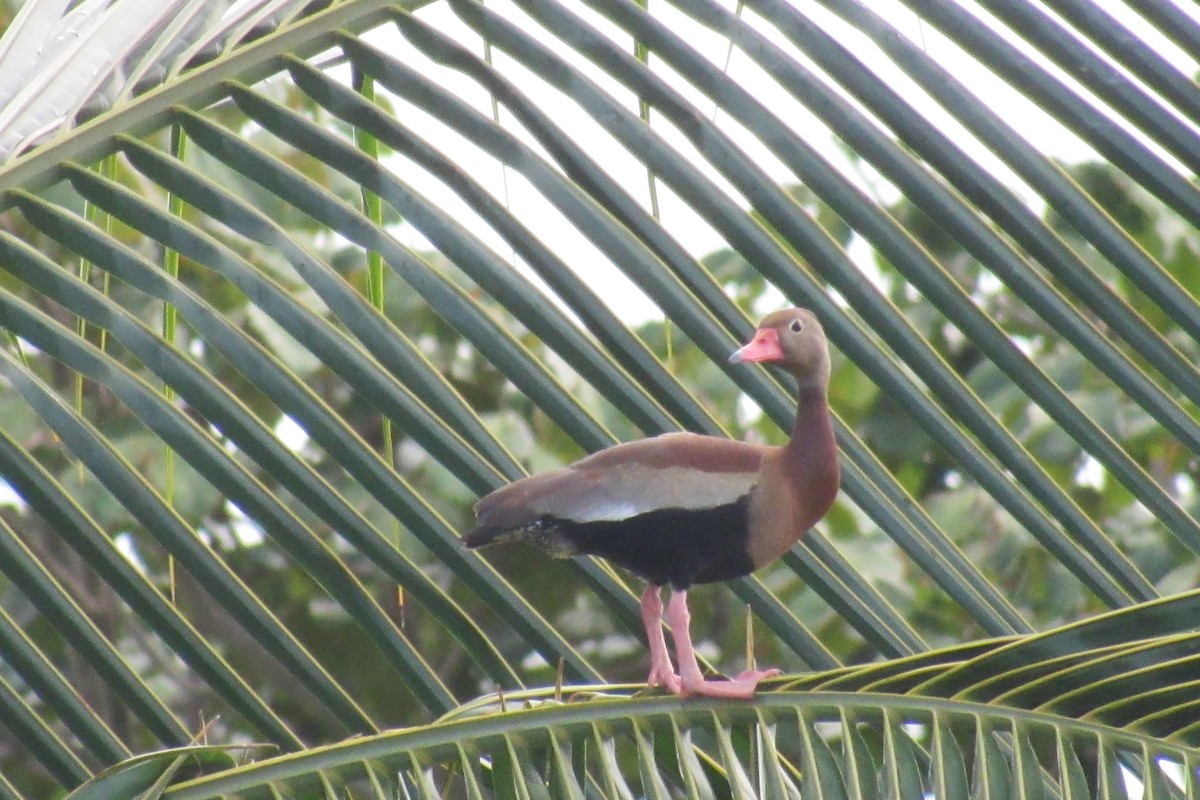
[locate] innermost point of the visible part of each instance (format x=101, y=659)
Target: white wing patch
x=613, y=495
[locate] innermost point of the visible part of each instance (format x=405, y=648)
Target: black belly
x=670, y=546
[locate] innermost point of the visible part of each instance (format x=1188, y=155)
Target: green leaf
x=899, y=776
x=862, y=781
x=147, y=776
x=775, y=781
x=820, y=774
x=1027, y=776
x=992, y=778
x=948, y=772
x=1110, y=773
x=1071, y=778
x=653, y=785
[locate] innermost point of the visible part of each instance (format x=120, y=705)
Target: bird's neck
x=812, y=433
x=798, y=483
x=811, y=456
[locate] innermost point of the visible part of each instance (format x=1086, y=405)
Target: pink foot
x=742, y=687
x=661, y=671
x=665, y=677
x=690, y=679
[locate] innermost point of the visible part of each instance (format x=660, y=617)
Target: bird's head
x=793, y=339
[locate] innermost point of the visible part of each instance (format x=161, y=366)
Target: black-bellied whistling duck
x=680, y=508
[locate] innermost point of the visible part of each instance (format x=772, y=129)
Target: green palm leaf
x=270, y=328
x=535, y=751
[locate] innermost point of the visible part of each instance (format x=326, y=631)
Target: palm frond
x=1003, y=330
x=84, y=59
x=818, y=744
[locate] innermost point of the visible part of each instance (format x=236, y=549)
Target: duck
x=681, y=509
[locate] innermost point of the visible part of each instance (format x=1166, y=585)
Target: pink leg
x=661, y=671
x=691, y=680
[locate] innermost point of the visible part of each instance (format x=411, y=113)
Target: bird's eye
x=796, y=326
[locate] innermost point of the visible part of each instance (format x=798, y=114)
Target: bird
x=681, y=509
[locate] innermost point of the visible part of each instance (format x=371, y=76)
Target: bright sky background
x=699, y=239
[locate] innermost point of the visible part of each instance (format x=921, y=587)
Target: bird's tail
x=485, y=535
x=546, y=535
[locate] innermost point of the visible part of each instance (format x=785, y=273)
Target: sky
x=1048, y=135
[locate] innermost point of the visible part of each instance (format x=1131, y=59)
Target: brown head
x=793, y=339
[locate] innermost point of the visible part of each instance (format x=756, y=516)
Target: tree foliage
x=268, y=335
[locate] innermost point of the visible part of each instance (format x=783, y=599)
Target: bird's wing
x=677, y=470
